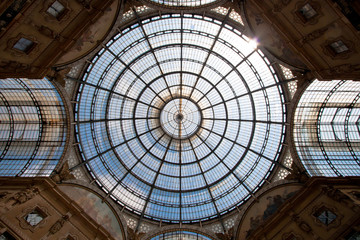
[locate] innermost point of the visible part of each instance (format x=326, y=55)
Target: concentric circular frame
x=180, y=118
x=187, y=178
x=184, y=4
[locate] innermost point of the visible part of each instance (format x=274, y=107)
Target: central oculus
x=180, y=118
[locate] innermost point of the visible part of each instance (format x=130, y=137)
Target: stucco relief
x=266, y=205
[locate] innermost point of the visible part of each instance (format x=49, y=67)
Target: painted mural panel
x=267, y=205
x=95, y=208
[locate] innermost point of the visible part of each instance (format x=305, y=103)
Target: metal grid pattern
x=224, y=88
x=326, y=128
x=32, y=127
x=180, y=235
x=183, y=3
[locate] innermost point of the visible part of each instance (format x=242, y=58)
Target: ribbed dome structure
x=180, y=118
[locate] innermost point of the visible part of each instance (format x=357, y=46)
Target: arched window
x=326, y=128
x=32, y=127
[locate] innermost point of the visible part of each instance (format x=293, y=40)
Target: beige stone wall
x=282, y=29
x=324, y=208
x=52, y=37
x=62, y=217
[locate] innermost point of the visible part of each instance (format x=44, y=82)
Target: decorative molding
x=327, y=50
x=23, y=196
x=345, y=68
x=50, y=18
x=63, y=174
x=228, y=235
x=291, y=235
x=134, y=235
x=350, y=71
x=353, y=194
x=14, y=227
x=334, y=194
x=58, y=224
x=85, y=3
x=15, y=67
x=12, y=11
x=47, y=32
x=314, y=35
x=25, y=225
x=278, y=7
x=17, y=53
x=322, y=206
x=70, y=236
x=304, y=226
x=3, y=195
x=298, y=18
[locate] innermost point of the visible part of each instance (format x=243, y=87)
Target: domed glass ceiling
x=180, y=118
x=183, y=3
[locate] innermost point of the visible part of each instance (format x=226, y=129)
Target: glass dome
x=180, y=118
x=180, y=235
x=183, y=3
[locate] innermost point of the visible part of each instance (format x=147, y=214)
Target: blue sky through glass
x=180, y=118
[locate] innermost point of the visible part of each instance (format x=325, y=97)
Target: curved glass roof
x=33, y=127
x=180, y=235
x=326, y=128
x=183, y=3
x=180, y=118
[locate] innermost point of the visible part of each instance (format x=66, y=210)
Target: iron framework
x=180, y=118
x=326, y=128
x=32, y=127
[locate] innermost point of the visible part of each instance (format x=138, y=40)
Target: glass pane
x=34, y=218
x=23, y=44
x=33, y=127
x=183, y=119
x=326, y=133
x=326, y=217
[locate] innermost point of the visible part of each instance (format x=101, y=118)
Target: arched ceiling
x=180, y=117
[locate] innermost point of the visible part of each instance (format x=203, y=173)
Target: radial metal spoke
x=174, y=115
x=243, y=120
x=152, y=50
x=211, y=49
x=234, y=68
x=241, y=95
x=112, y=148
x=131, y=169
x=127, y=66
x=207, y=186
x=153, y=184
x=111, y=91
x=247, y=148
x=116, y=119
x=230, y=170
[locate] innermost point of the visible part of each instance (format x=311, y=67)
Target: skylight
x=183, y=3
x=180, y=118
x=326, y=128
